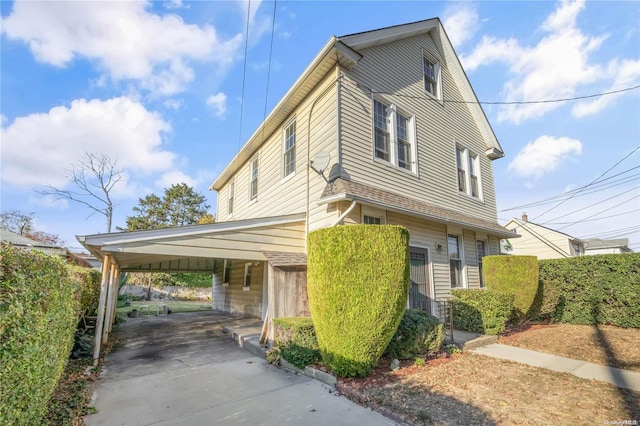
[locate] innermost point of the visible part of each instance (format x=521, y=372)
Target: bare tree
x=94, y=177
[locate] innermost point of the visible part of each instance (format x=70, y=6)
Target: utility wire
x=266, y=95
x=594, y=204
x=600, y=184
x=588, y=185
x=541, y=101
x=615, y=231
x=244, y=76
x=592, y=220
x=600, y=212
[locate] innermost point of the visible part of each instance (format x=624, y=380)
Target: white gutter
x=346, y=212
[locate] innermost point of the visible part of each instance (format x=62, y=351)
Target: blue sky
x=158, y=86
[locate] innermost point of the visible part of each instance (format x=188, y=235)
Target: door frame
x=429, y=271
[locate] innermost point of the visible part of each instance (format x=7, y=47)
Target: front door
x=420, y=291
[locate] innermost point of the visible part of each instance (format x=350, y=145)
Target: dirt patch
x=470, y=389
x=606, y=345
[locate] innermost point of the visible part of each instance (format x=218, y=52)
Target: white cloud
x=554, y=68
x=218, y=103
x=40, y=148
x=544, y=155
x=174, y=4
x=174, y=104
x=175, y=177
x=460, y=23
x=125, y=40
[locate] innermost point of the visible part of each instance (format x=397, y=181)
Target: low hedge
x=418, y=334
x=357, y=281
x=297, y=341
x=516, y=275
x=481, y=311
x=600, y=289
x=39, y=307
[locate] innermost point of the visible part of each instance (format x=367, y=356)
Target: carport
x=275, y=246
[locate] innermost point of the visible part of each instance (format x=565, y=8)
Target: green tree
x=179, y=206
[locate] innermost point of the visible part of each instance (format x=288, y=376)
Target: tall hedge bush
x=600, y=289
x=39, y=305
x=88, y=282
x=481, y=311
x=357, y=280
x=516, y=275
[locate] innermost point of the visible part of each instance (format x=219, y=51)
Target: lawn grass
x=474, y=389
x=177, y=306
x=605, y=345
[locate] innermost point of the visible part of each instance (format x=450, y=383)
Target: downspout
x=346, y=212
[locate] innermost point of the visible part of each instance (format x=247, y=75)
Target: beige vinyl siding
x=494, y=246
x=278, y=195
x=538, y=241
x=471, y=259
x=396, y=68
x=233, y=298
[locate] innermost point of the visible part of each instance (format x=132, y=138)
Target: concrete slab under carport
x=182, y=369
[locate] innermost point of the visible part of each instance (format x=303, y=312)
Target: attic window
x=431, y=69
x=468, y=168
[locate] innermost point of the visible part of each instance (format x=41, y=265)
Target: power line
x=615, y=231
x=592, y=220
x=244, y=75
x=588, y=185
x=266, y=95
x=600, y=184
x=603, y=211
x=599, y=202
x=541, y=101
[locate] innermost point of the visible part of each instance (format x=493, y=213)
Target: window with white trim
x=431, y=72
x=289, y=150
x=371, y=220
x=394, y=138
x=230, y=197
x=455, y=260
x=468, y=169
x=253, y=185
x=481, y=252
x=247, y=276
x=373, y=216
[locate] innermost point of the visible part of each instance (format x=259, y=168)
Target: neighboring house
x=382, y=127
x=538, y=240
x=30, y=244
x=598, y=246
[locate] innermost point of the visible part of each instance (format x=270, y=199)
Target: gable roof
x=527, y=224
x=22, y=241
x=344, y=51
x=342, y=189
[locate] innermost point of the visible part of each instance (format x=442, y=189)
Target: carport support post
x=114, y=301
x=106, y=264
x=108, y=317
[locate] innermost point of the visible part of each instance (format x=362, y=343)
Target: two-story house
x=538, y=240
x=382, y=127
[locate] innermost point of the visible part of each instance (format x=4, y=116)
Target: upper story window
x=468, y=166
x=253, y=187
x=431, y=70
x=289, y=149
x=230, y=198
x=394, y=135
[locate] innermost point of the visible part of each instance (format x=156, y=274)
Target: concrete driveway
x=181, y=369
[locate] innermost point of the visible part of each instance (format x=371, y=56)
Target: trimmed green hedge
x=516, y=275
x=418, y=334
x=39, y=307
x=297, y=341
x=600, y=289
x=357, y=281
x=481, y=311
x=88, y=280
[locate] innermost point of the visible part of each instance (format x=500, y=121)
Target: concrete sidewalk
x=621, y=378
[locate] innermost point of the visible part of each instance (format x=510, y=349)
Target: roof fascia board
x=155, y=234
x=384, y=35
x=232, y=166
x=386, y=206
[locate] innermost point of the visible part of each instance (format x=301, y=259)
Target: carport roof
x=195, y=248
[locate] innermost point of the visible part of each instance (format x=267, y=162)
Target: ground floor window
x=482, y=252
x=455, y=261
x=247, y=276
x=226, y=276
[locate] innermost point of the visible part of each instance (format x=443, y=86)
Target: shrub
x=358, y=278
x=88, y=281
x=516, y=275
x=418, y=334
x=481, y=311
x=296, y=339
x=39, y=306
x=601, y=289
